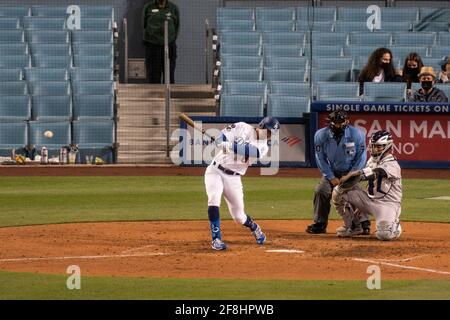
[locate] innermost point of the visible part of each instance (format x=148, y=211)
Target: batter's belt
x=225, y=170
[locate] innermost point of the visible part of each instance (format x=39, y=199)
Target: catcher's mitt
x=350, y=180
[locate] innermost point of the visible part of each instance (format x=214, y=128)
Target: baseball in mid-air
x=48, y=134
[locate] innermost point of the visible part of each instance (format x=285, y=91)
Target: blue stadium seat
x=96, y=37
x=10, y=75
x=275, y=14
x=241, y=106
x=16, y=61
x=287, y=106
x=101, y=62
x=48, y=36
x=352, y=14
x=384, y=91
x=79, y=74
x=430, y=14
x=443, y=38
x=92, y=49
x=49, y=88
x=15, y=108
x=282, y=51
x=236, y=25
x=97, y=11
x=225, y=13
x=295, y=89
x=13, y=136
x=339, y=63
x=283, y=38
x=337, y=90
x=358, y=51
x=376, y=39
x=241, y=50
x=414, y=39
x=403, y=26
x=240, y=38
x=432, y=62
x=87, y=11
x=431, y=27
x=236, y=62
x=319, y=75
x=12, y=36
x=13, y=88
x=93, y=87
x=239, y=74
x=319, y=26
x=93, y=107
x=14, y=11
x=329, y=38
x=49, y=11
x=40, y=23
x=52, y=108
x=61, y=136
x=9, y=23
x=47, y=61
x=405, y=14
x=286, y=62
x=251, y=88
x=12, y=49
x=275, y=26
x=45, y=74
x=50, y=49
x=351, y=26
x=445, y=88
x=94, y=139
x=284, y=75
x=401, y=52
x=318, y=14
x=440, y=51
x=323, y=51
x=98, y=24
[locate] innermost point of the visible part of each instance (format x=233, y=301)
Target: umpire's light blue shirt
x=348, y=155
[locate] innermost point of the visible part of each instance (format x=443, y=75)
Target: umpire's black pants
x=322, y=199
x=154, y=62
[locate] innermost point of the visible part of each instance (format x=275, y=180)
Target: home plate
x=440, y=198
x=285, y=251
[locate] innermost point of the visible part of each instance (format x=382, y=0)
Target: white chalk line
x=401, y=260
x=402, y=266
x=83, y=257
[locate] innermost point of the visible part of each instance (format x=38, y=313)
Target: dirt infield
x=181, y=249
x=171, y=170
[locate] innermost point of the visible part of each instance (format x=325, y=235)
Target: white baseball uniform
x=218, y=181
x=382, y=198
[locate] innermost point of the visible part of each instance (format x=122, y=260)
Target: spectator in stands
x=411, y=68
x=445, y=70
x=153, y=17
x=379, y=68
x=428, y=93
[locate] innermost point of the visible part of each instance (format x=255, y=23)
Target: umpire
x=339, y=149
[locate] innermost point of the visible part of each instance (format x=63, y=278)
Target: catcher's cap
x=270, y=123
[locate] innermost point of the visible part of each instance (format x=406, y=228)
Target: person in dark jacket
x=428, y=93
x=379, y=68
x=444, y=74
x=411, y=68
x=153, y=17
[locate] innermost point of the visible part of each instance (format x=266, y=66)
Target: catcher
x=384, y=192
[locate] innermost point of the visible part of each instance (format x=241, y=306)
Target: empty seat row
x=93, y=138
x=55, y=36
x=56, y=88
x=58, y=61
x=46, y=74
x=55, y=11
x=55, y=49
x=332, y=13
x=53, y=23
x=56, y=108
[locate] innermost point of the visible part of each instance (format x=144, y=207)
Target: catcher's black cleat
x=366, y=227
x=318, y=227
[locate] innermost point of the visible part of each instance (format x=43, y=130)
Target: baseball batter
x=383, y=196
x=241, y=145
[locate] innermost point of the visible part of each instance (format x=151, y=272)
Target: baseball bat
x=191, y=122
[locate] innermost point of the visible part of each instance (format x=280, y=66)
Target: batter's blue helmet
x=270, y=123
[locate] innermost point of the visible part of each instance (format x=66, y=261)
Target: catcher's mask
x=380, y=143
x=338, y=121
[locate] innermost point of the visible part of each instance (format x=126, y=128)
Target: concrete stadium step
x=198, y=91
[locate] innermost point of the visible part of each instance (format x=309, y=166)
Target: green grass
x=42, y=286
x=41, y=200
